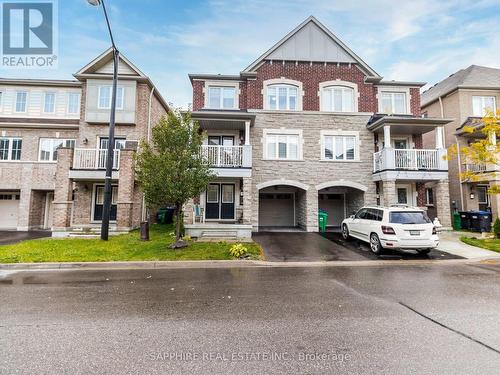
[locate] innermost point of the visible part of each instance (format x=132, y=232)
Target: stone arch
x=341, y=183
x=296, y=184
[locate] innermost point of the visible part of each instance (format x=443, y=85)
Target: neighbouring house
x=309, y=126
x=53, y=147
x=466, y=96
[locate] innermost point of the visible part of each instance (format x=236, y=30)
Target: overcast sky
x=419, y=40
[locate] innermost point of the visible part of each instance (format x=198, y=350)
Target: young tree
x=483, y=150
x=171, y=169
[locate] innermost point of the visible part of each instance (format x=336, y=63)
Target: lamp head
x=94, y=2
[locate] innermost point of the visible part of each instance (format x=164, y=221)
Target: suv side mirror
x=353, y=216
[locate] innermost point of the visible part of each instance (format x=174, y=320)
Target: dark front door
x=219, y=203
x=99, y=203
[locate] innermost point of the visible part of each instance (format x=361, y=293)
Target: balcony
x=90, y=164
x=476, y=168
x=410, y=163
x=229, y=161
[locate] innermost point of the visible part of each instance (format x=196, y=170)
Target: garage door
x=9, y=207
x=334, y=205
x=276, y=210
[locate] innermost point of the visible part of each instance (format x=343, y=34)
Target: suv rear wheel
x=375, y=245
x=424, y=251
x=345, y=232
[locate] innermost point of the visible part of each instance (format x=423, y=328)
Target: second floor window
x=282, y=97
x=337, y=99
x=21, y=101
x=49, y=146
x=282, y=146
x=49, y=105
x=339, y=147
x=73, y=103
x=221, y=97
x=10, y=148
x=393, y=102
x=482, y=104
x=105, y=94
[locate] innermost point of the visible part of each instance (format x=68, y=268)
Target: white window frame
x=25, y=104
x=340, y=133
x=485, y=187
x=394, y=90
x=277, y=88
x=10, y=148
x=483, y=108
x=329, y=85
x=2, y=94
x=52, y=142
x=283, y=132
x=119, y=103
x=283, y=82
x=78, y=105
x=222, y=85
x=45, y=101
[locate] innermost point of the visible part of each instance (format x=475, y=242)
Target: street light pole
x=111, y=137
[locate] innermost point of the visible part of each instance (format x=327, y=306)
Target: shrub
x=496, y=228
x=238, y=250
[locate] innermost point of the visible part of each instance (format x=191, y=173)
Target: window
x=339, y=147
x=119, y=143
x=73, y=103
x=282, y=97
x=337, y=99
x=99, y=197
x=49, y=105
x=48, y=148
x=21, y=101
x=429, y=197
x=282, y=146
x=105, y=94
x=417, y=217
x=213, y=194
x=482, y=104
x=393, y=102
x=10, y=148
x=1, y=95
x=221, y=97
x=482, y=194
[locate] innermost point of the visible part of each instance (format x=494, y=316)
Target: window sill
x=265, y=159
x=340, y=161
x=429, y=205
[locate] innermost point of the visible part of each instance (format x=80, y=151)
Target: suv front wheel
x=375, y=245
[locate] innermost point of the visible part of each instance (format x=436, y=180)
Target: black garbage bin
x=465, y=220
x=480, y=221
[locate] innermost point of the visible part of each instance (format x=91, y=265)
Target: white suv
x=395, y=227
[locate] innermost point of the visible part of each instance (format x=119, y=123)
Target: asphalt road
x=427, y=319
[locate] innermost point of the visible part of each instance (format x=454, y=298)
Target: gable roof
x=312, y=41
x=474, y=76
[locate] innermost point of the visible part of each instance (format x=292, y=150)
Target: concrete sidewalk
x=449, y=241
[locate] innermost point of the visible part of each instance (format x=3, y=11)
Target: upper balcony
x=90, y=163
x=228, y=156
x=391, y=159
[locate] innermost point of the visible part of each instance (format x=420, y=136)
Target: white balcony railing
x=410, y=159
x=227, y=156
x=476, y=168
x=91, y=158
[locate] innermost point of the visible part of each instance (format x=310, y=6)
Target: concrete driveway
x=10, y=237
x=313, y=247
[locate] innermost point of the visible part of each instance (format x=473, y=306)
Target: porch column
x=247, y=133
x=247, y=200
x=495, y=199
x=312, y=208
x=439, y=137
x=125, y=199
x=387, y=136
x=443, y=203
x=389, y=192
x=187, y=210
x=63, y=190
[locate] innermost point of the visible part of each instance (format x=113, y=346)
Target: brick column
x=389, y=193
x=495, y=200
x=443, y=203
x=125, y=201
x=312, y=209
x=247, y=200
x=63, y=190
x=23, y=219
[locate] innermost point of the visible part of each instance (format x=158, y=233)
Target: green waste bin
x=457, y=221
x=322, y=220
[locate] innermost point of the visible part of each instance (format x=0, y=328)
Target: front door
x=119, y=143
x=400, y=144
x=404, y=194
x=219, y=203
x=99, y=203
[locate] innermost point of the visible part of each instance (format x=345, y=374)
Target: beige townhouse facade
x=53, y=141
x=466, y=96
x=309, y=126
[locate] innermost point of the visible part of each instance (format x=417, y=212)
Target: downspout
x=460, y=174
x=148, y=139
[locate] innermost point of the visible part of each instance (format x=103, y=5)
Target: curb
x=235, y=264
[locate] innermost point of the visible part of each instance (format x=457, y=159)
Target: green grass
x=489, y=244
x=125, y=247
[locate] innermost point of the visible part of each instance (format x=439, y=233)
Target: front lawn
x=125, y=247
x=489, y=244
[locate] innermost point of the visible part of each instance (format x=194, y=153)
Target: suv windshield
x=403, y=217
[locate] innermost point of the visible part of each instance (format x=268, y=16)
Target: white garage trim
x=343, y=183
x=296, y=184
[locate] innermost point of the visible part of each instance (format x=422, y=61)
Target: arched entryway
x=340, y=199
x=282, y=204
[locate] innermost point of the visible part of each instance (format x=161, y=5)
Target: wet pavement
x=330, y=246
x=397, y=319
x=10, y=237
